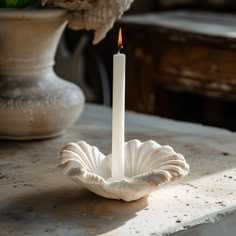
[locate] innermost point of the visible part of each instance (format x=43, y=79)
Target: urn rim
x=11, y=13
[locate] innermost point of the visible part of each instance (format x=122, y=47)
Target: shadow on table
x=67, y=211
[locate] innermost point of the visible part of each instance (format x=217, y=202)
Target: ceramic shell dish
x=148, y=166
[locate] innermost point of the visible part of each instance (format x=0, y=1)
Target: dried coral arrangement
x=97, y=15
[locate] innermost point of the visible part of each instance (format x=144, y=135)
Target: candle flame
x=120, y=43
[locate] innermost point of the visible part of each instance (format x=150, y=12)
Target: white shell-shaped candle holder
x=148, y=166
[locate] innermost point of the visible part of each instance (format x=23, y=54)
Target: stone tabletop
x=37, y=199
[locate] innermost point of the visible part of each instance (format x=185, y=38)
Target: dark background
x=150, y=95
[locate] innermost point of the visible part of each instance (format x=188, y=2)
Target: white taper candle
x=118, y=114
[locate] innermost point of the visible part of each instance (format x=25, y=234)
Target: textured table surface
x=37, y=199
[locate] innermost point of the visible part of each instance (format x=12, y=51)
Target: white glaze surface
x=148, y=166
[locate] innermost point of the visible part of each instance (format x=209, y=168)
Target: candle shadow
x=67, y=211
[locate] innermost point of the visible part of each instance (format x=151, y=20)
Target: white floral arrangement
x=97, y=15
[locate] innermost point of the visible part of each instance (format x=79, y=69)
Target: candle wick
x=121, y=47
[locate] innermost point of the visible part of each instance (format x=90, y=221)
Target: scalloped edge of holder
x=148, y=166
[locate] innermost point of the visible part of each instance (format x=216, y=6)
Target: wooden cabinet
x=182, y=65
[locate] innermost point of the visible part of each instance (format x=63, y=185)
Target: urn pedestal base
x=38, y=108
